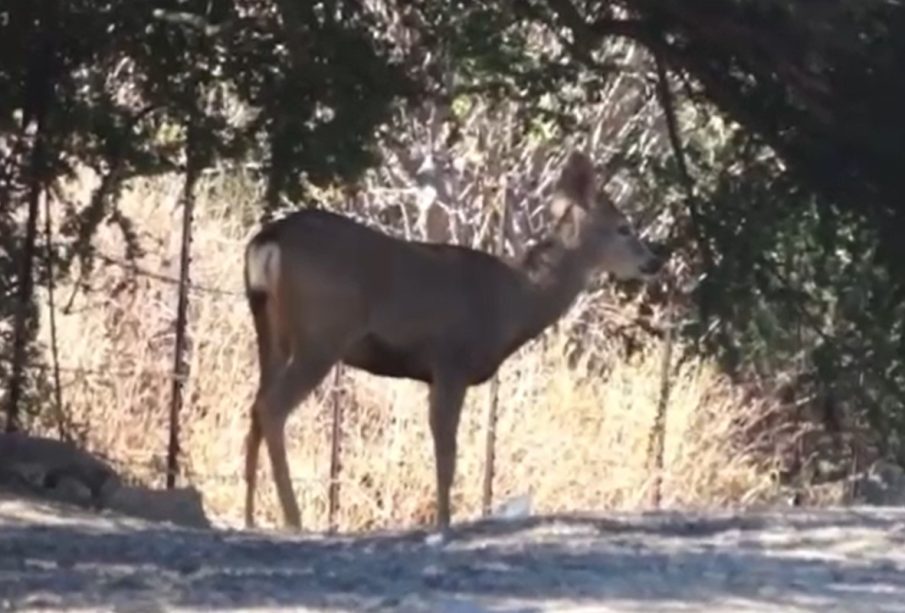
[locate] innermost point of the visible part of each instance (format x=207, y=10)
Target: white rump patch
x=263, y=262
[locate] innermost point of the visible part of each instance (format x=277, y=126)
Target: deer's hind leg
x=315, y=346
x=312, y=328
x=252, y=450
x=273, y=353
x=446, y=397
x=292, y=385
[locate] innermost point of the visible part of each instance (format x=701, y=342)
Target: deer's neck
x=556, y=275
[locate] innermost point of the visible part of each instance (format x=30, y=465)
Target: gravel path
x=788, y=560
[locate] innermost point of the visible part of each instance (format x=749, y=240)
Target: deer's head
x=587, y=220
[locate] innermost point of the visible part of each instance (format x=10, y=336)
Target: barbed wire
x=103, y=372
x=155, y=467
x=308, y=489
x=166, y=374
x=158, y=276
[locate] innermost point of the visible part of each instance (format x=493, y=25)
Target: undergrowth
x=569, y=437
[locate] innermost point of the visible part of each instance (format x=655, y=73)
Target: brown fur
x=442, y=314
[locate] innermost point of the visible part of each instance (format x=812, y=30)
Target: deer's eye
x=623, y=230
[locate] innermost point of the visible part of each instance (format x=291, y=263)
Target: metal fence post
x=493, y=404
x=657, y=440
x=180, y=368
x=490, y=446
x=335, y=448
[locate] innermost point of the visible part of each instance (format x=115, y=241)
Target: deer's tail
x=262, y=272
x=262, y=267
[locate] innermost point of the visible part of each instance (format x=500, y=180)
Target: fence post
x=335, y=448
x=493, y=404
x=180, y=368
x=657, y=439
x=490, y=446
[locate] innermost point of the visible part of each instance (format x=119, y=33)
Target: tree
x=791, y=218
x=133, y=88
x=776, y=214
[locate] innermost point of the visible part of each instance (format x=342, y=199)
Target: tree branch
x=293, y=28
x=667, y=103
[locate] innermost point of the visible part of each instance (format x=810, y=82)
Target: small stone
x=188, y=567
x=43, y=600
x=432, y=575
x=128, y=582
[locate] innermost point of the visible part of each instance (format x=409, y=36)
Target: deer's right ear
x=559, y=207
x=576, y=182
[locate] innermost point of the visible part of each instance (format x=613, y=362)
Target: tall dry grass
x=570, y=439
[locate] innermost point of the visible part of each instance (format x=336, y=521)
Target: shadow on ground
x=631, y=562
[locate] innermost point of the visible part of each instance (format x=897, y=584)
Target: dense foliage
x=788, y=207
x=132, y=88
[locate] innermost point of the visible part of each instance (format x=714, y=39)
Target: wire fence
x=325, y=491
x=171, y=470
x=139, y=271
x=179, y=375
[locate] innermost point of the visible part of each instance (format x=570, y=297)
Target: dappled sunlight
x=567, y=436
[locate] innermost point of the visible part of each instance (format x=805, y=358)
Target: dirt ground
x=54, y=557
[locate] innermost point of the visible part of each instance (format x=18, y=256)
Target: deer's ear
x=576, y=182
x=567, y=219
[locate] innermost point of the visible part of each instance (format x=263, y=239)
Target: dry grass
x=572, y=441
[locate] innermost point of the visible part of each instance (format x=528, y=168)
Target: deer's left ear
x=568, y=218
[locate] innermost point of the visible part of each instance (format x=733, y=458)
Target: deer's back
x=412, y=299
x=327, y=245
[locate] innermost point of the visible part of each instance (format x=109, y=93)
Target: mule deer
x=324, y=289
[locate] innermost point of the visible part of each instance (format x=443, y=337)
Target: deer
x=324, y=289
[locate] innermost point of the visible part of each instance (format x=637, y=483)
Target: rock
x=55, y=469
x=437, y=539
x=515, y=508
x=181, y=506
x=883, y=484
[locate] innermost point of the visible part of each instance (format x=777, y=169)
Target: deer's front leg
x=446, y=397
